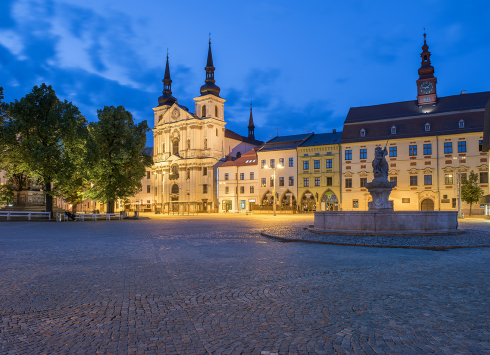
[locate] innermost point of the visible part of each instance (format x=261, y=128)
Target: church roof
x=322, y=139
x=232, y=135
x=248, y=158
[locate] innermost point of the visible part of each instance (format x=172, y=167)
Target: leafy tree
x=41, y=134
x=7, y=192
x=470, y=191
x=116, y=147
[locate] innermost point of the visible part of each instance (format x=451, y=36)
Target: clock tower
x=426, y=84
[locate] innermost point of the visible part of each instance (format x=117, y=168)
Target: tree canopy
x=470, y=191
x=116, y=149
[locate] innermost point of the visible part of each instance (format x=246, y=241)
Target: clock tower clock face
x=426, y=87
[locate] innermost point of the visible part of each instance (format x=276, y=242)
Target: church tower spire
x=426, y=83
x=167, y=98
x=251, y=126
x=210, y=87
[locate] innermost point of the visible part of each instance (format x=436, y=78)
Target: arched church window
x=175, y=189
x=203, y=111
x=205, y=143
x=425, y=58
x=216, y=111
x=175, y=169
x=175, y=148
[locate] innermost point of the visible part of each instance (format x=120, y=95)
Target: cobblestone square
x=214, y=285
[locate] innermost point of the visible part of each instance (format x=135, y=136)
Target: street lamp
x=459, y=187
x=274, y=185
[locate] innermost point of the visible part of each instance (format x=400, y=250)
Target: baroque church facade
x=189, y=147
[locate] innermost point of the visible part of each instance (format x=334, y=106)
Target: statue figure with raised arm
x=380, y=188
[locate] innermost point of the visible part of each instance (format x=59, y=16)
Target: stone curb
x=291, y=240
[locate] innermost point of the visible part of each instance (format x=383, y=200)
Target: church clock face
x=175, y=113
x=426, y=87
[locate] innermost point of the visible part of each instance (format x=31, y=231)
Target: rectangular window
x=329, y=163
x=428, y=149
x=252, y=176
x=317, y=181
x=394, y=179
x=227, y=176
x=484, y=178
x=306, y=165
x=281, y=181
x=448, y=147
x=291, y=181
x=464, y=177
x=393, y=152
x=242, y=189
x=306, y=182
x=271, y=182
x=242, y=176
x=205, y=171
x=480, y=145
x=462, y=147
x=263, y=182
x=329, y=181
x=147, y=174
x=252, y=189
x=227, y=189
x=148, y=188
x=412, y=150
x=348, y=154
x=262, y=164
x=348, y=183
x=273, y=163
x=405, y=200
x=204, y=189
x=363, y=182
x=427, y=179
x=317, y=164
x=454, y=203
x=281, y=162
x=291, y=162
x=355, y=203
x=363, y=154
x=448, y=179
x=413, y=180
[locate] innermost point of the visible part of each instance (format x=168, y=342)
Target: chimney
x=463, y=92
x=334, y=130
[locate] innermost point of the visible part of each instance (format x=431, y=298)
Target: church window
x=425, y=58
x=175, y=189
x=205, y=143
x=216, y=132
x=427, y=127
x=188, y=144
x=163, y=148
x=203, y=111
x=393, y=130
x=461, y=123
x=363, y=132
x=205, y=189
x=205, y=171
x=216, y=111
x=188, y=174
x=176, y=147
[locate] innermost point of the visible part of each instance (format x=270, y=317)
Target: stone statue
x=380, y=188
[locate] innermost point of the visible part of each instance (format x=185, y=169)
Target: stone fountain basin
x=387, y=223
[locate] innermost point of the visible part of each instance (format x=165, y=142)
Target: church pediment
x=172, y=114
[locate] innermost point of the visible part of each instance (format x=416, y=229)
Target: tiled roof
x=410, y=120
x=232, y=135
x=285, y=142
x=322, y=139
x=248, y=158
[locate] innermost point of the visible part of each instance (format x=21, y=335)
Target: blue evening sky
x=303, y=63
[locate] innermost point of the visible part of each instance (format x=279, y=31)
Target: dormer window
x=461, y=123
x=393, y=130
x=363, y=132
x=427, y=127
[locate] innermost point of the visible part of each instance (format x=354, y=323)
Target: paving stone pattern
x=214, y=285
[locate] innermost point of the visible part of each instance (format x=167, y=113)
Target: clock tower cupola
x=426, y=84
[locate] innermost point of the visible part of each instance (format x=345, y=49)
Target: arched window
x=216, y=111
x=216, y=132
x=175, y=189
x=175, y=148
x=425, y=58
x=238, y=155
x=203, y=111
x=205, y=143
x=175, y=169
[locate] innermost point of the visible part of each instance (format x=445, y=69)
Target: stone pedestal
x=380, y=189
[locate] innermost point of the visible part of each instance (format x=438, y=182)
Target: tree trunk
x=470, y=208
x=49, y=198
x=110, y=207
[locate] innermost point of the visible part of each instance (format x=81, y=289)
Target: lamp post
x=459, y=186
x=274, y=185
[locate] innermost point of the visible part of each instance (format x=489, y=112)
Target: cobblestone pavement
x=213, y=285
x=477, y=234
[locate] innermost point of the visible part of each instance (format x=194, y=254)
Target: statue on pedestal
x=380, y=188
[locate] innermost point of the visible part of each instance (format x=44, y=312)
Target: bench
x=28, y=214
